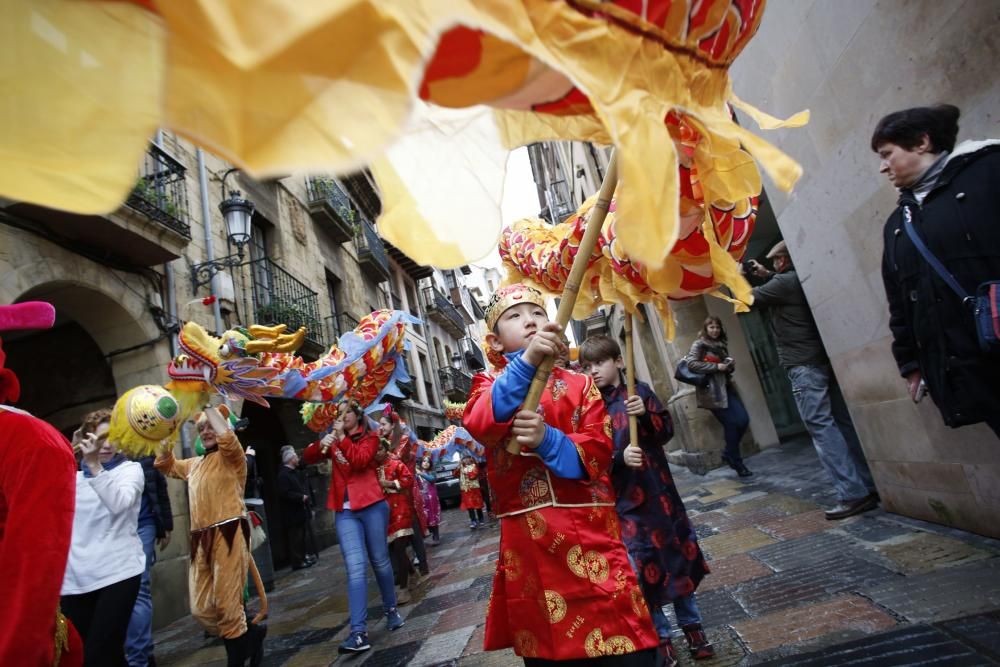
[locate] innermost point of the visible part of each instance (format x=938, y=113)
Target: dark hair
x=598, y=348
x=95, y=419
x=907, y=128
x=712, y=319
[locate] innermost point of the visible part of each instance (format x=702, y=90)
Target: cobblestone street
x=787, y=587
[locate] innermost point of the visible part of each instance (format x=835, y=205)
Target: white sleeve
x=120, y=488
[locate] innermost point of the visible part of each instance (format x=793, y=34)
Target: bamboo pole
x=587, y=244
x=633, y=422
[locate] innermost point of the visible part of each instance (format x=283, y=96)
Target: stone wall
x=851, y=63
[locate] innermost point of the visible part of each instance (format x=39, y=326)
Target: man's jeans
x=825, y=414
x=362, y=537
x=139, y=640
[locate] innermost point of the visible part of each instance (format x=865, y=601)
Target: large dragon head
x=230, y=365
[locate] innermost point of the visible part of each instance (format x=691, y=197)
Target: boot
x=665, y=655
x=698, y=643
x=237, y=650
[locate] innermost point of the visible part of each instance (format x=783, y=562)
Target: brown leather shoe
x=852, y=507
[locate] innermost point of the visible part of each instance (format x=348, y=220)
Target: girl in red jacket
x=397, y=483
x=362, y=518
x=472, y=497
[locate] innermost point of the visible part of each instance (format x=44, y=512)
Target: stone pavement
x=787, y=587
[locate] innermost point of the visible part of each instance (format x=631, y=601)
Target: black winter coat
x=155, y=491
x=294, y=509
x=959, y=221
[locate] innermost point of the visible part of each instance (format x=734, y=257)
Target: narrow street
x=787, y=587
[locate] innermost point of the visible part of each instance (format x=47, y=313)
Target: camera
x=749, y=266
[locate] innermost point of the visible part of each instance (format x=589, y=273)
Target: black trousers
x=401, y=565
x=101, y=617
x=475, y=515
x=646, y=658
x=296, y=543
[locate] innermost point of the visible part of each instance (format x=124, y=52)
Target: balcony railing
x=440, y=308
x=371, y=252
x=160, y=193
x=455, y=384
x=473, y=354
x=280, y=298
x=331, y=207
x=337, y=325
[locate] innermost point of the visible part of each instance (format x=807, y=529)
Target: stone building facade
x=122, y=283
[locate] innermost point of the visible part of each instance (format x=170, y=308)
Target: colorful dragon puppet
x=260, y=362
x=451, y=440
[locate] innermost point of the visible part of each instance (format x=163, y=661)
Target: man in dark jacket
x=156, y=522
x=949, y=193
x=817, y=395
x=294, y=507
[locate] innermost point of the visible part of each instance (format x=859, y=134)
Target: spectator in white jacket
x=106, y=559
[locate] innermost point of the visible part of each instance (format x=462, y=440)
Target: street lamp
x=237, y=211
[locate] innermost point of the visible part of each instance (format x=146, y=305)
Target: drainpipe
x=206, y=216
x=168, y=270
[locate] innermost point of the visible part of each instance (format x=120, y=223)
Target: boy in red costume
x=37, y=498
x=564, y=588
x=472, y=496
x=397, y=483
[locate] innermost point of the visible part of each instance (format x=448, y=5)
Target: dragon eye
x=225, y=350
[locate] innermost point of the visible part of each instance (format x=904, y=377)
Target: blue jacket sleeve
x=510, y=389
x=559, y=453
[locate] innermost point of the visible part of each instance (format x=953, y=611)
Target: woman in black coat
x=951, y=193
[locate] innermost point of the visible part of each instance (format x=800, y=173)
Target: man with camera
x=814, y=386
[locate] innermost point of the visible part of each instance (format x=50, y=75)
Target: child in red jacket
x=564, y=588
x=472, y=497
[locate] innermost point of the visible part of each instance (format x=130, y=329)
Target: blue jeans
x=828, y=421
x=139, y=640
x=686, y=610
x=734, y=420
x=362, y=537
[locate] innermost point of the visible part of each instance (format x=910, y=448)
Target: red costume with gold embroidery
x=472, y=496
x=563, y=588
x=395, y=473
x=407, y=454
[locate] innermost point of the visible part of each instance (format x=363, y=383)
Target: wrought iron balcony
x=331, y=207
x=455, y=384
x=160, y=193
x=440, y=308
x=371, y=252
x=277, y=297
x=473, y=354
x=337, y=325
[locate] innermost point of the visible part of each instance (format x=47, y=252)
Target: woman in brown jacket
x=710, y=356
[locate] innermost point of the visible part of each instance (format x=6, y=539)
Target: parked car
x=447, y=483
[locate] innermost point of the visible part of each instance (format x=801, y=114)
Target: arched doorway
x=96, y=350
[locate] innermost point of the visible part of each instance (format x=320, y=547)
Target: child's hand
x=632, y=456
x=546, y=342
x=528, y=428
x=634, y=406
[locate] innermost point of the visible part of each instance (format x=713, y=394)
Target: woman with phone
x=362, y=518
x=709, y=355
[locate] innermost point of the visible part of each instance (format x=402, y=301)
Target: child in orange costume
x=564, y=588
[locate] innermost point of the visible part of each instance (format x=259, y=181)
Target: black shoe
x=852, y=507
x=742, y=470
x=356, y=642
x=301, y=566
x=312, y=559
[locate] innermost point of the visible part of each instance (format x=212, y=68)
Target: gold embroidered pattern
x=531, y=587
x=535, y=524
x=590, y=565
x=525, y=644
x=639, y=605
x=555, y=605
x=534, y=488
x=511, y=565
x=596, y=646
x=613, y=526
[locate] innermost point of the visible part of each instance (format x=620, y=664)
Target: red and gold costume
x=563, y=588
x=37, y=498
x=399, y=479
x=472, y=497
x=406, y=451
